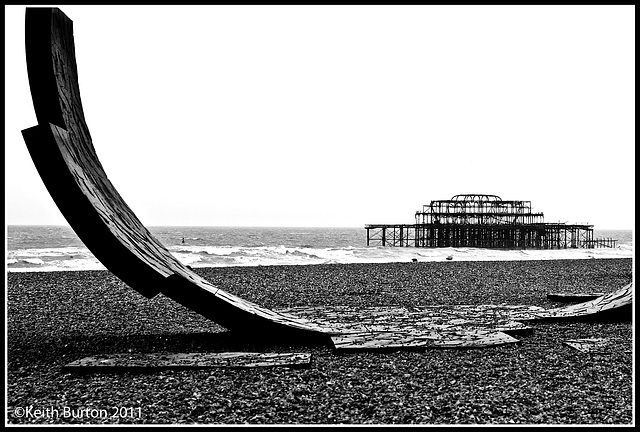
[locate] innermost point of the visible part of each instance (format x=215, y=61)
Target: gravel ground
x=57, y=317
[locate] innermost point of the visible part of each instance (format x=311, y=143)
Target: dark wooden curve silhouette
x=63, y=153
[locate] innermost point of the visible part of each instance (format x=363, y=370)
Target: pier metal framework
x=483, y=221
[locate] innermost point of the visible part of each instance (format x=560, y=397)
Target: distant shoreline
x=26, y=270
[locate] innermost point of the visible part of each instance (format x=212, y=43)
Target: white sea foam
x=52, y=259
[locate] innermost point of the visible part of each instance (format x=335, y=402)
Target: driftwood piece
x=391, y=328
x=569, y=297
x=151, y=362
x=378, y=341
x=594, y=345
x=615, y=306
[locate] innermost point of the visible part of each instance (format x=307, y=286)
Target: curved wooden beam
x=62, y=150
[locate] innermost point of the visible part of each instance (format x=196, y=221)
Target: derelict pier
x=483, y=221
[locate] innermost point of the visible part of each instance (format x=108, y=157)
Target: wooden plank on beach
x=613, y=306
x=397, y=327
x=568, y=297
x=379, y=341
x=592, y=345
x=151, y=362
x=352, y=320
x=394, y=328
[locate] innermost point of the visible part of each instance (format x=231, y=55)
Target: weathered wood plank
x=390, y=328
x=612, y=306
x=593, y=345
x=378, y=341
x=568, y=297
x=151, y=362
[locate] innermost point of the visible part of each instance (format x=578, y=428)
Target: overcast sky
x=343, y=115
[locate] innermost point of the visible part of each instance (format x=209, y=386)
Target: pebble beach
x=54, y=318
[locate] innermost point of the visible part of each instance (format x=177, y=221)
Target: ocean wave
x=209, y=250
x=52, y=259
x=73, y=258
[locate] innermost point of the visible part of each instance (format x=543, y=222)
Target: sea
x=36, y=248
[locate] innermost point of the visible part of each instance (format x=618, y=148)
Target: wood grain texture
x=152, y=362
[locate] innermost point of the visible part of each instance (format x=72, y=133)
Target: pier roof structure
x=478, y=209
